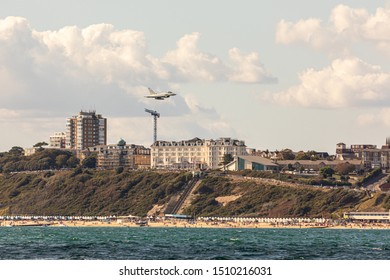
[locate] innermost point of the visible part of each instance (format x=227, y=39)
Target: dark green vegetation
x=85, y=192
x=15, y=161
x=122, y=192
x=370, y=176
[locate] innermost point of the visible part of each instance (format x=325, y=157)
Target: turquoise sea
x=109, y=243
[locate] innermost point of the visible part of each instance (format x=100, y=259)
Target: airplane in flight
x=160, y=95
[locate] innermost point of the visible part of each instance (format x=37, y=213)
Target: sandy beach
x=191, y=224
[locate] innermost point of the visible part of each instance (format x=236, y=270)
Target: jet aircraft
x=160, y=95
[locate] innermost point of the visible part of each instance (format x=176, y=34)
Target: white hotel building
x=194, y=153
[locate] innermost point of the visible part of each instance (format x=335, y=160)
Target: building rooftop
x=199, y=142
x=260, y=160
x=318, y=162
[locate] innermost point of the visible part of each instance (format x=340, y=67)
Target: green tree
x=327, y=171
x=40, y=144
x=227, y=158
x=61, y=161
x=16, y=151
x=89, y=162
x=302, y=156
x=44, y=163
x=309, y=155
x=72, y=162
x=344, y=168
x=313, y=155
x=287, y=154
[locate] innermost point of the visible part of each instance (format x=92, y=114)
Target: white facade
x=57, y=140
x=194, y=153
x=29, y=151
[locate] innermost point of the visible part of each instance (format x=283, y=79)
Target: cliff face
x=84, y=192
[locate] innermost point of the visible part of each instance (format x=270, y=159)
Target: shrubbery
x=371, y=175
x=45, y=159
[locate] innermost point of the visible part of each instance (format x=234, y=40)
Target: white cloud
x=53, y=74
x=248, y=68
x=346, y=26
x=100, y=64
x=348, y=20
x=347, y=82
x=307, y=31
x=189, y=63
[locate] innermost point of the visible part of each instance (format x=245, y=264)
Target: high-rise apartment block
x=85, y=130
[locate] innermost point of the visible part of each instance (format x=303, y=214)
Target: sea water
x=111, y=243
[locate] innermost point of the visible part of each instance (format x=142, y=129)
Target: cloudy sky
x=278, y=74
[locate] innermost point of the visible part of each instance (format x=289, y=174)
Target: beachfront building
x=57, y=141
x=121, y=155
x=264, y=164
x=85, y=130
x=216, y=149
x=195, y=153
x=252, y=163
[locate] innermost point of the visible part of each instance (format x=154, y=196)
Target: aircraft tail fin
x=151, y=91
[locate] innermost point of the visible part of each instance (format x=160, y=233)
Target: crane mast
x=155, y=115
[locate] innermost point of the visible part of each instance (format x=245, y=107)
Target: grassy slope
x=87, y=193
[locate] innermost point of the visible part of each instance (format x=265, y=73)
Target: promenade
x=202, y=222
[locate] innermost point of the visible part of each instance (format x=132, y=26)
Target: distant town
x=86, y=136
x=360, y=168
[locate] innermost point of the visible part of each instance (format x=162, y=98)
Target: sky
x=302, y=74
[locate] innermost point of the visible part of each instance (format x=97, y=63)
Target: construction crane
x=155, y=116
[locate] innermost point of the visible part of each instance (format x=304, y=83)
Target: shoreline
x=185, y=224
